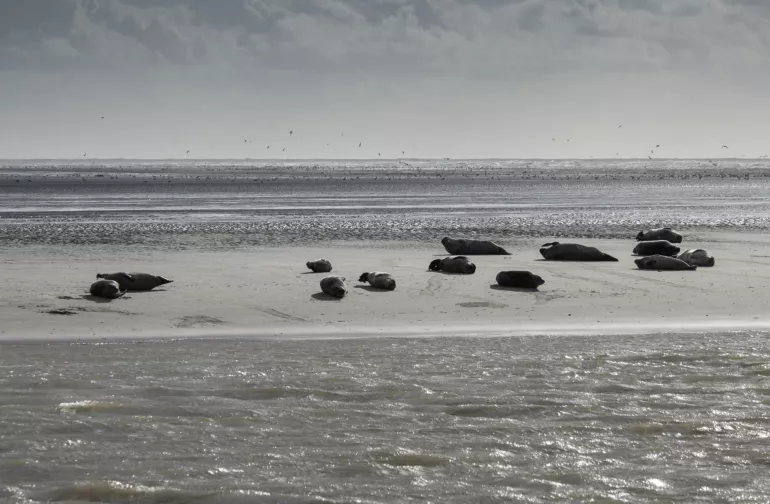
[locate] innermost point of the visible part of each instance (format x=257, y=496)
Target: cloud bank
x=477, y=75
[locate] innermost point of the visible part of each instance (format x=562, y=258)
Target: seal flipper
x=608, y=257
x=127, y=276
x=549, y=244
x=163, y=280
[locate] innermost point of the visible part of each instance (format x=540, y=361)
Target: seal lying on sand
x=573, y=252
x=665, y=233
x=109, y=289
x=459, y=264
x=696, y=257
x=657, y=247
x=135, y=281
x=521, y=279
x=319, y=266
x=334, y=286
x=472, y=247
x=379, y=280
x=662, y=263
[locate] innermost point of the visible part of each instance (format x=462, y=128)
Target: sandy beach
x=268, y=292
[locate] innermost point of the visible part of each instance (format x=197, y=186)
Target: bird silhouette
x=724, y=147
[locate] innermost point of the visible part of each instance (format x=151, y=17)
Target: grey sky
x=434, y=78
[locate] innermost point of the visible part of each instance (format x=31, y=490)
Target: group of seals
x=657, y=245
x=334, y=285
x=115, y=285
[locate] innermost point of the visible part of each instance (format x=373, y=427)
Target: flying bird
x=359, y=144
x=620, y=125
x=657, y=146
x=268, y=147
x=724, y=147
x=291, y=132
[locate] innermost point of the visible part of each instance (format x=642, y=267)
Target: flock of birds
x=655, y=245
x=403, y=152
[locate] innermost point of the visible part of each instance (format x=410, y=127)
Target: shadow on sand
x=513, y=289
x=370, y=288
x=97, y=299
x=322, y=296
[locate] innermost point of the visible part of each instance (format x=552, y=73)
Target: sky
x=404, y=78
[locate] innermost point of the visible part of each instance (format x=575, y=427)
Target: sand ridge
x=269, y=292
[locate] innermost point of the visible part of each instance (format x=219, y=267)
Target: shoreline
x=267, y=293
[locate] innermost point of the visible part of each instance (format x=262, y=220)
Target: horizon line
x=285, y=160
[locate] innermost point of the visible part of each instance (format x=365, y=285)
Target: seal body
x=472, y=247
x=573, y=252
x=459, y=264
x=379, y=280
x=109, y=289
x=334, y=286
x=520, y=279
x=663, y=263
x=135, y=281
x=696, y=257
x=656, y=247
x=665, y=233
x=319, y=266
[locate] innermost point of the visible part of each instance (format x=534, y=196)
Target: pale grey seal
x=663, y=263
x=135, y=281
x=572, y=252
x=459, y=264
x=319, y=266
x=472, y=247
x=334, y=286
x=379, y=280
x=109, y=289
x=656, y=247
x=665, y=233
x=696, y=257
x=521, y=279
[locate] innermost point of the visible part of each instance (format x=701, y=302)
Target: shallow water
x=563, y=419
x=189, y=205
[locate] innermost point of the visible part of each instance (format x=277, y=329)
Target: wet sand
x=268, y=292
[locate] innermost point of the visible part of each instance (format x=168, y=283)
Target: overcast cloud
x=459, y=78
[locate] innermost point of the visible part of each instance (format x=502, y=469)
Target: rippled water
x=214, y=206
x=568, y=419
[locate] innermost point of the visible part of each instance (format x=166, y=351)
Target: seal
x=665, y=233
x=472, y=247
x=319, y=266
x=573, y=252
x=379, y=280
x=459, y=264
x=109, y=289
x=663, y=263
x=520, y=279
x=656, y=247
x=696, y=257
x=135, y=281
x=334, y=286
